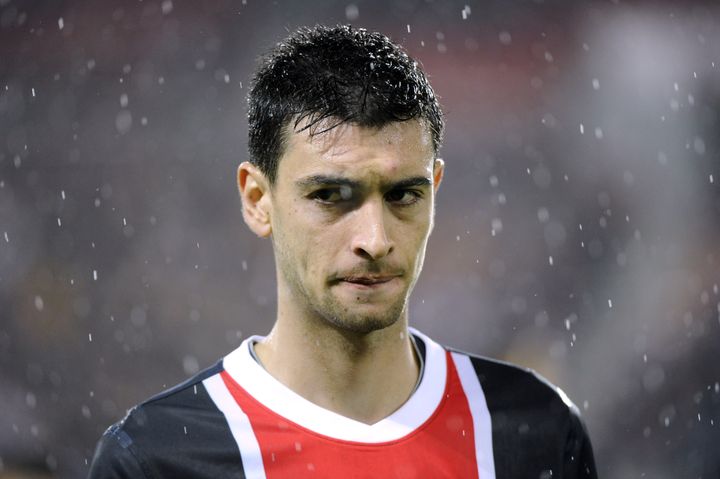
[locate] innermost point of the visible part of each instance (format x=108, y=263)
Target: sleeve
x=115, y=457
x=579, y=461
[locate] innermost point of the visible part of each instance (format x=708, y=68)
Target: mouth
x=368, y=280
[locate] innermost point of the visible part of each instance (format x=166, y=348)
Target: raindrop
x=667, y=414
x=90, y=337
x=190, y=365
x=543, y=215
x=465, y=12
x=95, y=275
x=699, y=145
x=62, y=194
x=598, y=133
x=505, y=38
x=582, y=129
x=352, y=12
x=548, y=120
x=166, y=6
x=39, y=303
x=123, y=121
x=595, y=84
x=609, y=303
x=7, y=239
x=61, y=25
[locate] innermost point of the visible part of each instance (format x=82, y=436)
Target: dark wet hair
x=324, y=77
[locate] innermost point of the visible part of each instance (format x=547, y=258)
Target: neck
x=365, y=377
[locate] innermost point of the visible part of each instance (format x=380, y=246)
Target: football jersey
x=469, y=417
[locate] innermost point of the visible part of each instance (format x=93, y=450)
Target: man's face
x=352, y=209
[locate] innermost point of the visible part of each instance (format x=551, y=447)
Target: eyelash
x=416, y=196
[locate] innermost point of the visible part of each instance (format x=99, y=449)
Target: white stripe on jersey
x=239, y=426
x=280, y=399
x=480, y=415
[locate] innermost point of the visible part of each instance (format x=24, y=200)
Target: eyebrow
x=328, y=180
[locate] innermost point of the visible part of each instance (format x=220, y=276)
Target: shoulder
x=535, y=426
x=160, y=436
x=509, y=386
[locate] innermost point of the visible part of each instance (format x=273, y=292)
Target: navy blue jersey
x=468, y=417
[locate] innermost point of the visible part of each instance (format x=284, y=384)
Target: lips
x=368, y=280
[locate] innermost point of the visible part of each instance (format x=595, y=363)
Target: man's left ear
x=438, y=170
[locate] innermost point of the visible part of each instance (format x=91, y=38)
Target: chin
x=364, y=322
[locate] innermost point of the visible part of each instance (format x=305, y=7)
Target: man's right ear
x=256, y=201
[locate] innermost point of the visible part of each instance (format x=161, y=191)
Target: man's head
x=344, y=132
x=340, y=74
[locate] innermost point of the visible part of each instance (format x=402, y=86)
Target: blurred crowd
x=576, y=232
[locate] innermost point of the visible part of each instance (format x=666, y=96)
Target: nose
x=370, y=240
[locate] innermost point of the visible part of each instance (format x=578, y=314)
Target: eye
x=331, y=195
x=403, y=197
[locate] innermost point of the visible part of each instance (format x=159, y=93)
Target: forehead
x=396, y=150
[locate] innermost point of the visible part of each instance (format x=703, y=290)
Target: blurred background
x=577, y=226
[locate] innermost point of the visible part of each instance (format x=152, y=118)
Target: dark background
x=577, y=226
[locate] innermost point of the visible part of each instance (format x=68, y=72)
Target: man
x=344, y=135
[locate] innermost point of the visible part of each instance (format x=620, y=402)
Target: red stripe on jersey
x=442, y=447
